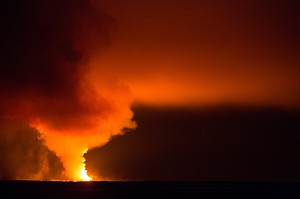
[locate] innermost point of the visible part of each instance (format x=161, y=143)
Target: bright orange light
x=83, y=172
x=84, y=176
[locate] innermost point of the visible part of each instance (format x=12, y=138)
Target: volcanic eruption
x=44, y=78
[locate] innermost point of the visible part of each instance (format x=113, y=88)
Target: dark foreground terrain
x=148, y=189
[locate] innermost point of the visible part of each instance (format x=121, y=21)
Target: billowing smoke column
x=46, y=48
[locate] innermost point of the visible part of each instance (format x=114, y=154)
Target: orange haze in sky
x=205, y=52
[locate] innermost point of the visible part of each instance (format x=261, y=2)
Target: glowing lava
x=84, y=176
x=83, y=172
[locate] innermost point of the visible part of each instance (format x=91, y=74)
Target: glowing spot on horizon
x=84, y=176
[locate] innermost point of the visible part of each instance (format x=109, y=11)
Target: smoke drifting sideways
x=44, y=82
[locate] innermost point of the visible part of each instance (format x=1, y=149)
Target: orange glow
x=175, y=82
x=56, y=97
x=70, y=147
x=70, y=138
x=78, y=94
x=84, y=176
x=83, y=173
x=194, y=53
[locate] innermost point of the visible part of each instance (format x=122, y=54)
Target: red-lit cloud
x=46, y=49
x=200, y=52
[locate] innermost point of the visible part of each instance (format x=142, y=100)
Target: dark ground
x=149, y=189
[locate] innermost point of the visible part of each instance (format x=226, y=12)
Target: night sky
x=155, y=89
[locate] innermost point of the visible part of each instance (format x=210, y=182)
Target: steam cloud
x=44, y=80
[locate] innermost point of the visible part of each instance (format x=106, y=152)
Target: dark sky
x=213, y=86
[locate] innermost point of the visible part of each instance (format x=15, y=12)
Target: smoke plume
x=44, y=79
x=24, y=155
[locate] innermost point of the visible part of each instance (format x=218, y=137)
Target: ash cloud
x=23, y=155
x=46, y=48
